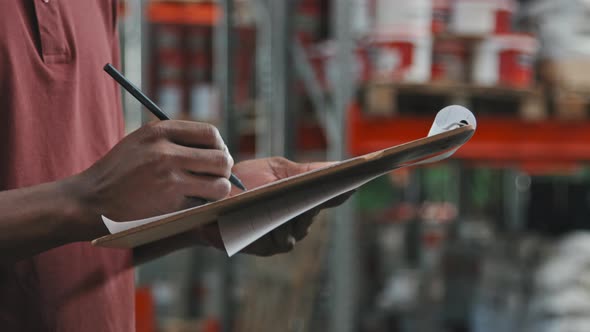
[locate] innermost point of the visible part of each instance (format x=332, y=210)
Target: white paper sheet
x=120, y=226
x=243, y=227
x=449, y=118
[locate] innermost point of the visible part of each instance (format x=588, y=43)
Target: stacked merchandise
x=457, y=41
x=202, y=96
x=182, y=58
x=401, y=40
x=445, y=44
x=562, y=27
x=168, y=71
x=182, y=71
x=312, y=20
x=503, y=57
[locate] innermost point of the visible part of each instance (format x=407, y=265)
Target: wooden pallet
x=391, y=99
x=571, y=105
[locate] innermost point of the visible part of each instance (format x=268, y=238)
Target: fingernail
x=225, y=148
x=291, y=240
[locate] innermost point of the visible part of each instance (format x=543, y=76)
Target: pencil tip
x=241, y=186
x=236, y=182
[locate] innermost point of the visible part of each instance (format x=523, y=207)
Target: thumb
x=322, y=164
x=306, y=167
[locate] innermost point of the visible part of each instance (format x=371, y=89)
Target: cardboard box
x=572, y=74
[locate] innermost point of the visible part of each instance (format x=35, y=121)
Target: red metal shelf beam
x=200, y=13
x=496, y=139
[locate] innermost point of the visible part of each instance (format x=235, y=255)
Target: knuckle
x=280, y=160
x=165, y=156
x=230, y=161
x=222, y=188
x=282, y=167
x=211, y=133
x=262, y=248
x=222, y=162
x=174, y=178
x=226, y=188
x=155, y=129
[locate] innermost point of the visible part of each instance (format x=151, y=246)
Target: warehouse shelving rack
x=509, y=141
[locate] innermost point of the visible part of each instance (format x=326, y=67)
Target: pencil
x=151, y=106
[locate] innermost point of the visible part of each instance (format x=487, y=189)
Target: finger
x=338, y=200
x=318, y=165
x=298, y=168
x=282, y=239
x=210, y=188
x=262, y=247
x=204, y=161
x=191, y=133
x=283, y=168
x=191, y=202
x=209, y=234
x=301, y=224
x=226, y=150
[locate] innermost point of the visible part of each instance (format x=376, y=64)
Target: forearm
x=39, y=218
x=35, y=219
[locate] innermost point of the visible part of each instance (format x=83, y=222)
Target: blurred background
x=495, y=239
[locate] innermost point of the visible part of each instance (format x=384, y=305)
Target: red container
x=145, y=315
x=308, y=21
x=505, y=60
x=169, y=83
x=482, y=17
x=402, y=57
x=245, y=63
x=393, y=59
x=168, y=65
x=441, y=11
x=449, y=61
x=503, y=17
x=516, y=68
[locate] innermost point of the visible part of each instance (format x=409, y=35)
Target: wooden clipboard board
x=383, y=160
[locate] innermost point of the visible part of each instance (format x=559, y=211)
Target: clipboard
x=379, y=162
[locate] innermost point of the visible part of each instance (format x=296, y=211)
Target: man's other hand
x=258, y=172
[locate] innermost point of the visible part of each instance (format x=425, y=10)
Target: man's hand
x=164, y=166
x=255, y=173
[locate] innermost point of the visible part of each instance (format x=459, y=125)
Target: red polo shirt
x=59, y=113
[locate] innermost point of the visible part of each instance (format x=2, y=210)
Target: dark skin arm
x=155, y=170
x=34, y=220
x=158, y=169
